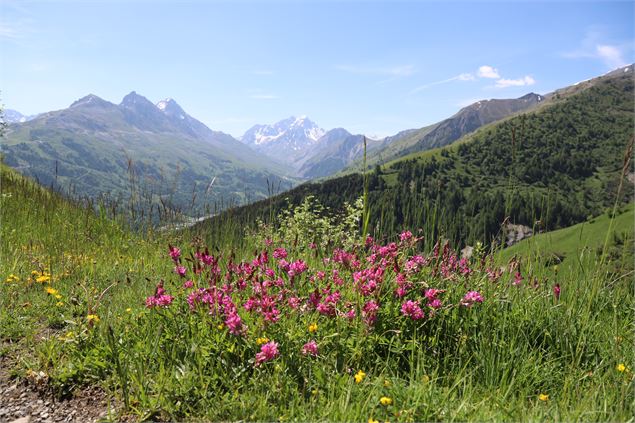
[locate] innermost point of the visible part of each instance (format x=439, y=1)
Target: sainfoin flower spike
x=268, y=352
x=470, y=298
x=310, y=348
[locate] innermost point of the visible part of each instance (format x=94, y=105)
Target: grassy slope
x=576, y=242
x=491, y=363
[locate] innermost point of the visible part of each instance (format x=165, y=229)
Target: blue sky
x=374, y=67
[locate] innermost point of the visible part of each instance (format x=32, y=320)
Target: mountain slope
x=557, y=164
x=99, y=147
x=466, y=120
x=568, y=244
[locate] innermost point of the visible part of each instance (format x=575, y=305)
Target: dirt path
x=23, y=402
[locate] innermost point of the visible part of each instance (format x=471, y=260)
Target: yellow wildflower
x=387, y=383
x=220, y=326
x=543, y=397
x=43, y=278
x=59, y=304
x=129, y=310
x=313, y=327
x=359, y=376
x=371, y=420
x=261, y=341
x=93, y=317
x=51, y=291
x=621, y=367
x=426, y=378
x=385, y=401
x=57, y=296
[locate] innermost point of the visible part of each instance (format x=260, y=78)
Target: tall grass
x=499, y=359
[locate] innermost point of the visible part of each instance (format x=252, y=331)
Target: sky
x=372, y=67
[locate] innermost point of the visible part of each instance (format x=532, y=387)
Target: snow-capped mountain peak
x=295, y=133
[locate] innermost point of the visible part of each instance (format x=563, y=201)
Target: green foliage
x=311, y=224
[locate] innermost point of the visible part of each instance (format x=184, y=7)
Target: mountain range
x=97, y=147
x=564, y=159
x=134, y=147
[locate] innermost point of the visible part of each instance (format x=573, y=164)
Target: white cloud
x=488, y=72
x=520, y=82
x=461, y=77
x=594, y=46
x=611, y=55
x=396, y=71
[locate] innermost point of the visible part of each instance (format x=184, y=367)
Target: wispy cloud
x=520, y=82
x=461, y=77
x=612, y=56
x=593, y=46
x=394, y=71
x=486, y=71
x=13, y=30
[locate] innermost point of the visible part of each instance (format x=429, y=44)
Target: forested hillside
x=549, y=168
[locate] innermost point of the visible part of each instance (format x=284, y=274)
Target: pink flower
x=405, y=236
x=432, y=293
x=160, y=298
x=310, y=348
x=326, y=309
x=175, y=253
x=412, y=310
x=313, y=245
x=294, y=302
x=297, y=268
x=369, y=312
x=556, y=291
x=188, y=284
x=268, y=352
x=234, y=323
x=279, y=253
x=470, y=298
x=180, y=270
x=350, y=314
x=436, y=303
x=517, y=279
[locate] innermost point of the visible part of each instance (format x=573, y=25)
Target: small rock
x=22, y=420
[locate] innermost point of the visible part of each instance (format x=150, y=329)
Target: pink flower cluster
x=268, y=352
x=310, y=348
x=471, y=298
x=412, y=309
x=366, y=285
x=160, y=298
